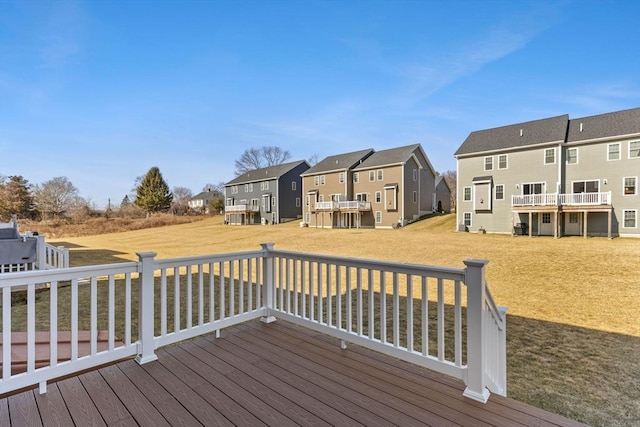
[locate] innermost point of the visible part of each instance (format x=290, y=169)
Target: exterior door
x=546, y=224
x=572, y=224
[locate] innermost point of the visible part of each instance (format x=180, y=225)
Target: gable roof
x=339, y=162
x=626, y=122
x=264, y=174
x=552, y=129
x=206, y=195
x=391, y=156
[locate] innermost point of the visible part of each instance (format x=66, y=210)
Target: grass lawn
x=574, y=304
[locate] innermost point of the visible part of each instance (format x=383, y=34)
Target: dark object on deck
x=520, y=228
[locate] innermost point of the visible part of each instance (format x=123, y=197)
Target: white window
x=613, y=151
x=549, y=156
x=634, y=149
x=466, y=194
x=630, y=185
x=372, y=175
x=273, y=201
x=488, y=163
x=586, y=186
x=379, y=174
x=378, y=217
x=378, y=197
x=234, y=189
x=467, y=219
x=415, y=174
x=630, y=218
x=297, y=202
x=546, y=218
x=572, y=156
x=264, y=185
x=228, y=201
x=341, y=177
x=316, y=180
x=356, y=177
x=502, y=161
x=307, y=217
x=246, y=188
x=533, y=188
x=573, y=217
x=293, y=186
x=321, y=198
x=321, y=179
x=500, y=192
x=415, y=197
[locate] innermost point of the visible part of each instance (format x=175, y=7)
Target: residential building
x=383, y=189
x=200, y=202
x=556, y=176
x=268, y=195
x=443, y=195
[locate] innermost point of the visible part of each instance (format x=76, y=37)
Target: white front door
x=572, y=224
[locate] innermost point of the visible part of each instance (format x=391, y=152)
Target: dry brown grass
x=574, y=306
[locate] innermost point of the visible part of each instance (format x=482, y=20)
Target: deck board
x=256, y=374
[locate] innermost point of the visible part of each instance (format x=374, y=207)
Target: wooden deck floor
x=257, y=374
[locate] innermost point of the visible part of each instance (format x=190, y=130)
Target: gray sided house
x=269, y=195
x=381, y=189
x=443, y=195
x=554, y=177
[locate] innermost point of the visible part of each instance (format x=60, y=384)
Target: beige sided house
x=381, y=189
x=553, y=177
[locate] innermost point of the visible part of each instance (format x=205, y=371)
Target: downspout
x=403, y=191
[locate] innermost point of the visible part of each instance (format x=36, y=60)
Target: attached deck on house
x=265, y=374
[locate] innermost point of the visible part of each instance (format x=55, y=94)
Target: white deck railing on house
x=414, y=312
x=326, y=206
x=555, y=199
x=354, y=204
x=242, y=208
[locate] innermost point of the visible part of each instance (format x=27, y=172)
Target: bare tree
x=55, y=197
x=219, y=187
x=314, y=159
x=181, y=197
x=256, y=158
x=451, y=178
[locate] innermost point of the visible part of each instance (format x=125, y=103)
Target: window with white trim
x=415, y=174
x=502, y=161
x=372, y=175
x=466, y=191
x=573, y=217
x=634, y=149
x=630, y=218
x=246, y=188
x=572, y=156
x=234, y=189
x=356, y=177
x=488, y=163
x=549, y=156
x=467, y=219
x=378, y=217
x=630, y=185
x=264, y=185
x=297, y=202
x=378, y=197
x=307, y=217
x=316, y=180
x=321, y=198
x=592, y=186
x=321, y=179
x=500, y=192
x=415, y=197
x=613, y=151
x=341, y=177
x=546, y=218
x=379, y=174
x=293, y=186
x=251, y=187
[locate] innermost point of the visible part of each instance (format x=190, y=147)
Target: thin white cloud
x=597, y=98
x=61, y=34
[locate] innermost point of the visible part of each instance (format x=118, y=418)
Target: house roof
x=624, y=122
x=263, y=174
x=552, y=129
x=391, y=156
x=205, y=195
x=339, y=162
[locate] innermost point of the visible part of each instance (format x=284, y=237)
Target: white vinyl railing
x=242, y=208
x=47, y=257
x=414, y=312
x=327, y=206
x=555, y=199
x=55, y=256
x=579, y=199
x=355, y=204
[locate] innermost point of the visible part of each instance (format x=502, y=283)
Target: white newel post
x=65, y=256
x=41, y=253
x=268, y=283
x=476, y=305
x=146, y=345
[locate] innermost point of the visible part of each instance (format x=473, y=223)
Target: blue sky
x=101, y=91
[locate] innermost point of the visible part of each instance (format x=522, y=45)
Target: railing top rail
x=202, y=259
x=415, y=269
x=493, y=307
x=61, y=274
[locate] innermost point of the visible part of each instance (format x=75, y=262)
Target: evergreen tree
x=16, y=198
x=152, y=194
x=125, y=201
